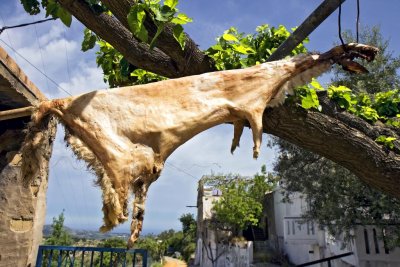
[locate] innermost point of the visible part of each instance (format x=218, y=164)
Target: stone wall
x=22, y=196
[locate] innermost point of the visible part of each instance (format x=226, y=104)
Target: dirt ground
x=171, y=262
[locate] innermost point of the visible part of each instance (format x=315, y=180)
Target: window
x=366, y=241
x=384, y=241
x=293, y=227
x=312, y=228
x=375, y=241
x=288, y=227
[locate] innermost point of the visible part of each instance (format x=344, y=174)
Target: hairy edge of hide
x=111, y=205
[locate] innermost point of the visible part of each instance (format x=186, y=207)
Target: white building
x=212, y=250
x=304, y=242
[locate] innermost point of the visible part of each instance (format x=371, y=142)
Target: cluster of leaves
x=160, y=15
x=116, y=69
x=52, y=7
x=307, y=95
x=235, y=50
x=383, y=106
x=241, y=202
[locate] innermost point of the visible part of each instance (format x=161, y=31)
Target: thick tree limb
x=111, y=30
x=341, y=137
x=189, y=61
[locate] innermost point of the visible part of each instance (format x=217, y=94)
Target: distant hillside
x=88, y=234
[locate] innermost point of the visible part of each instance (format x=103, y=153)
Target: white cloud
x=85, y=78
x=56, y=31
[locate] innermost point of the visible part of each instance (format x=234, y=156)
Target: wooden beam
x=15, y=81
x=306, y=28
x=16, y=113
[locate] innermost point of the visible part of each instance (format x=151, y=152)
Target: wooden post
x=16, y=113
x=312, y=22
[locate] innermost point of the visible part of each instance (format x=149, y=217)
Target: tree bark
x=332, y=133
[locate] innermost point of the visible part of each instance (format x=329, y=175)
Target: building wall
x=209, y=251
x=371, y=249
x=304, y=242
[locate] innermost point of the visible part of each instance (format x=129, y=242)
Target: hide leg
x=237, y=133
x=138, y=213
x=255, y=121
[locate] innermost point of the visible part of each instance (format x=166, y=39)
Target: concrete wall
x=224, y=255
x=22, y=197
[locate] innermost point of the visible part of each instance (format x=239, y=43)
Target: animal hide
x=126, y=134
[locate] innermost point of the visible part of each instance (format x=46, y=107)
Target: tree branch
x=111, y=30
x=341, y=137
x=323, y=11
x=189, y=61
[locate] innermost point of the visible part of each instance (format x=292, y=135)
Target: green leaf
x=181, y=18
x=179, y=35
x=368, y=113
x=160, y=29
x=124, y=65
x=136, y=17
x=242, y=49
x=166, y=14
x=51, y=8
x=89, y=40
x=230, y=37
x=31, y=6
x=171, y=3
x=310, y=100
x=393, y=122
x=314, y=83
x=65, y=16
x=386, y=141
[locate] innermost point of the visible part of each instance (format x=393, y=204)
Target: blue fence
x=60, y=256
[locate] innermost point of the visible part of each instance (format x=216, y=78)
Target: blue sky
x=55, y=50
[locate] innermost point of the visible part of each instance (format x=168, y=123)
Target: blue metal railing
x=60, y=256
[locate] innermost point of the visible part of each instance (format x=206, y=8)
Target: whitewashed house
x=304, y=242
x=212, y=250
